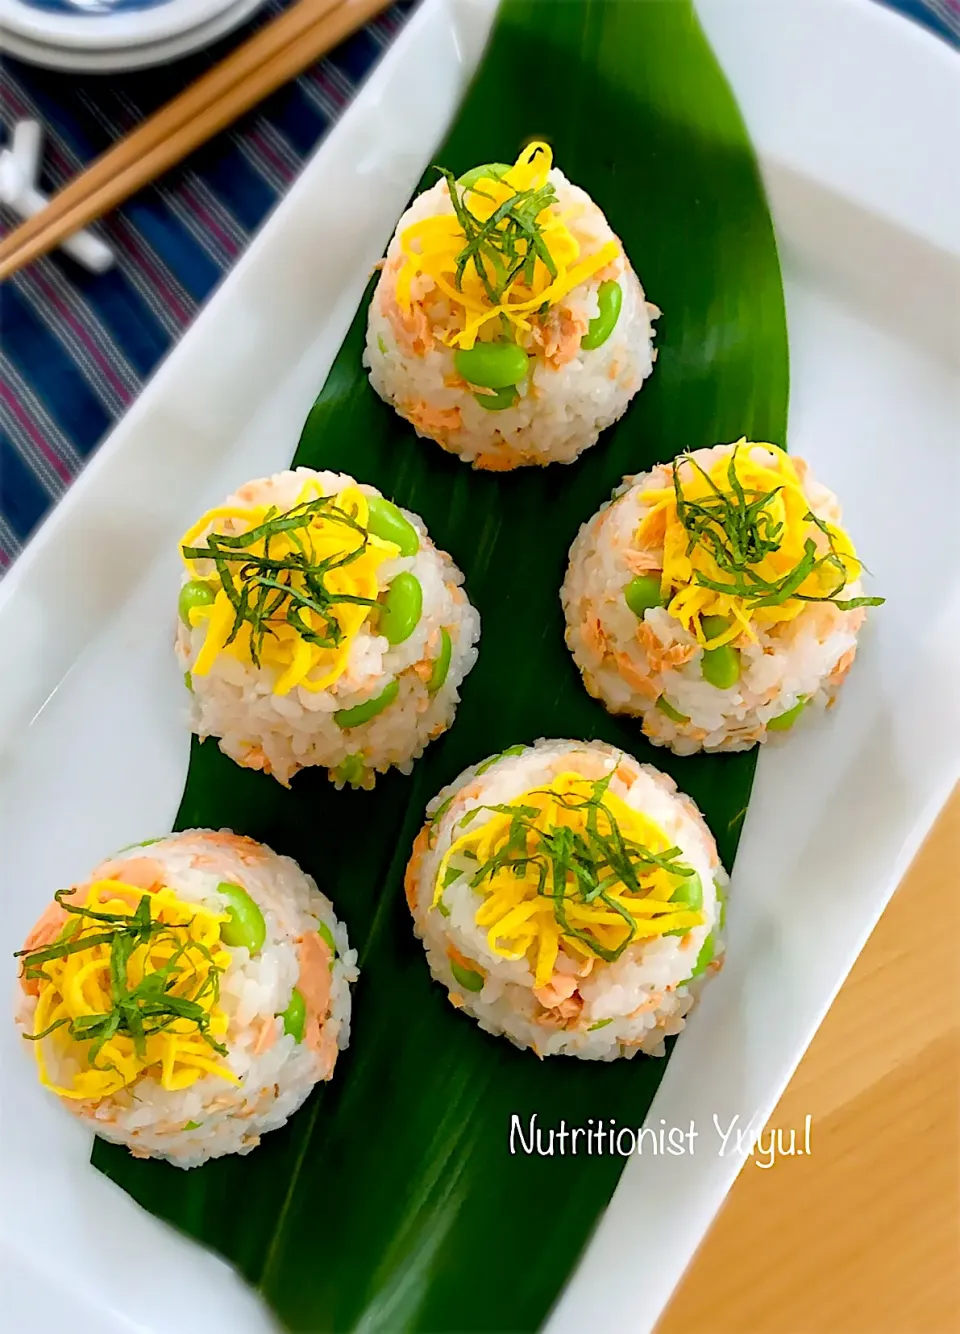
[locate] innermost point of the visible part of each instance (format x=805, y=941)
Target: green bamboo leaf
x=392, y=1202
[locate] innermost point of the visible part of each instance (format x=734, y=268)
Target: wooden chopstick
x=272, y=57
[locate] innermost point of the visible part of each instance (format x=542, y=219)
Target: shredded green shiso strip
x=508, y=243
x=262, y=589
x=442, y=809
x=575, y=866
x=738, y=531
x=136, y=1012
x=495, y=759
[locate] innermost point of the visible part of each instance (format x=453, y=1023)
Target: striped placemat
x=77, y=348
x=940, y=16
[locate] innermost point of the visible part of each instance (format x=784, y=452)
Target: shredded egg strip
x=520, y=922
x=295, y=661
x=688, y=601
x=79, y=984
x=432, y=245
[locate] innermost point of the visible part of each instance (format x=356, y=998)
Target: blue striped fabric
x=940, y=16
x=77, y=348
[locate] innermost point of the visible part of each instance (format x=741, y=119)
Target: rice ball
x=717, y=598
x=504, y=355
x=319, y=625
x=235, y=974
x=569, y=898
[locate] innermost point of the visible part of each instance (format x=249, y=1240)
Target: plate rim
x=707, y=1205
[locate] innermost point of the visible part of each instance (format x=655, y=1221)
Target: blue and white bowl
x=105, y=35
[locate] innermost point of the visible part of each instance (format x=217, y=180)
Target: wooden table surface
x=863, y=1236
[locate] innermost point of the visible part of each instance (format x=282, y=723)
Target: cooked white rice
x=639, y=668
x=622, y=1007
x=571, y=394
x=212, y=1117
x=281, y=734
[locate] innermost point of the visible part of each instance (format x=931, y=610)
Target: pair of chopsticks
x=273, y=56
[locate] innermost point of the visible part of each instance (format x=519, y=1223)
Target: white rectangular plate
x=868, y=222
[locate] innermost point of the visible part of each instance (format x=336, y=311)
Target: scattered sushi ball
x=569, y=898
x=319, y=625
x=186, y=999
x=502, y=354
x=717, y=598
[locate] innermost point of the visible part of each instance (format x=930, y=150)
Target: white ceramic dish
x=868, y=224
x=109, y=60
x=126, y=25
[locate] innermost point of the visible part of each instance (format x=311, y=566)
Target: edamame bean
x=246, y=926
x=441, y=664
x=784, y=721
x=195, y=593
x=719, y=666
x=468, y=979
x=492, y=365
x=713, y=626
x=401, y=608
x=704, y=958
x=497, y=401
x=643, y=593
x=188, y=681
x=688, y=894
x=385, y=521
x=362, y=713
x=144, y=843
x=350, y=770
x=295, y=1016
x=326, y=935
x=610, y=299
x=494, y=170
x=665, y=707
